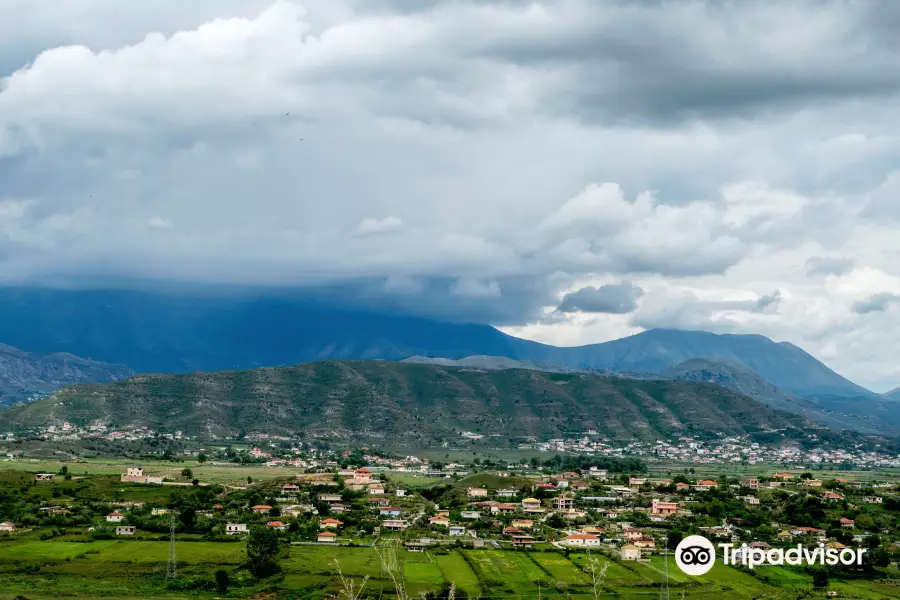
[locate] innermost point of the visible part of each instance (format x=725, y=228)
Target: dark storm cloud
x=875, y=303
x=614, y=298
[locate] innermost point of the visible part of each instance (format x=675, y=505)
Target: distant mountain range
x=25, y=374
x=180, y=333
x=404, y=403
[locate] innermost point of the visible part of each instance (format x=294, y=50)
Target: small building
x=507, y=493
x=330, y=523
x=663, y=509
x=751, y=483
x=261, y=509
x=277, y=525
x=440, y=521
x=415, y=546
x=394, y=524
x=523, y=523
x=289, y=489
x=7, y=527
x=457, y=530
x=816, y=483
x=581, y=539
x=326, y=537
x=752, y=500
x=470, y=514
x=236, y=529
x=376, y=490
x=115, y=517
x=390, y=511
x=629, y=553
x=521, y=540
x=847, y=523
x=531, y=503
x=872, y=499
x=477, y=492
x=400, y=493
x=43, y=476
x=563, y=502
x=705, y=485
x=330, y=498
x=125, y=530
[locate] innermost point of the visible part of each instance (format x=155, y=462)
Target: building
x=277, y=525
x=43, y=477
x=523, y=523
x=872, y=499
x=834, y=496
x=400, y=493
x=632, y=533
x=636, y=481
x=817, y=483
x=137, y=475
x=330, y=498
x=236, y=529
x=581, y=539
x=390, y=511
x=597, y=473
x=564, y=502
x=456, y=530
x=847, y=523
x=7, y=527
x=531, y=503
x=290, y=489
x=115, y=517
x=261, y=509
x=750, y=483
x=507, y=493
x=125, y=530
x=440, y=521
x=394, y=524
x=629, y=553
x=330, y=523
x=521, y=540
x=751, y=500
x=659, y=508
x=327, y=537
x=705, y=485
x=470, y=514
x=475, y=492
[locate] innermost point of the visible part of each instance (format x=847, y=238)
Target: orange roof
x=581, y=536
x=261, y=507
x=327, y=534
x=707, y=482
x=274, y=524
x=331, y=521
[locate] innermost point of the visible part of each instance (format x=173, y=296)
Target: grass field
x=135, y=569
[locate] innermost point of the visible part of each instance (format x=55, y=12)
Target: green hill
x=407, y=403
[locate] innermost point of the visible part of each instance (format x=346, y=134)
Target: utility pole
x=171, y=566
x=664, y=586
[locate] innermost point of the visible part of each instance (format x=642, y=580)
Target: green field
x=135, y=569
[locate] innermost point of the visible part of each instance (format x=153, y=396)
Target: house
x=415, y=546
x=750, y=483
x=289, y=489
x=521, y=540
x=156, y=512
x=394, y=524
x=7, y=527
x=547, y=487
x=530, y=503
x=338, y=508
x=376, y=490
x=390, y=511
x=564, y=502
x=440, y=521
x=663, y=509
x=115, y=517
x=362, y=473
x=330, y=523
x=636, y=481
x=504, y=507
x=457, y=530
x=573, y=513
x=629, y=553
x=834, y=496
x=632, y=533
x=705, y=485
x=579, y=486
x=523, y=523
x=125, y=530
x=644, y=542
x=783, y=476
x=43, y=476
x=872, y=499
x=581, y=539
x=330, y=498
x=507, y=493
x=847, y=523
x=476, y=492
x=400, y=493
x=137, y=475
x=261, y=509
x=277, y=525
x=808, y=531
x=236, y=528
x=813, y=483
x=682, y=487
x=760, y=546
x=751, y=500
x=380, y=501
x=597, y=473
x=470, y=514
x=327, y=537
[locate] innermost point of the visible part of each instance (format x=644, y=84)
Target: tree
x=201, y=458
x=820, y=579
x=249, y=480
x=188, y=518
x=187, y=473
x=222, y=581
x=262, y=551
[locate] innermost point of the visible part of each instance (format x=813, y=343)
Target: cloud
x=472, y=161
x=378, y=226
x=616, y=298
x=876, y=303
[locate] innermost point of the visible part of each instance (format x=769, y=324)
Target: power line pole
x=664, y=586
x=171, y=566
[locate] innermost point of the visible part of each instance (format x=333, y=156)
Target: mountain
x=181, y=332
x=867, y=414
x=488, y=362
x=404, y=403
x=24, y=374
x=893, y=394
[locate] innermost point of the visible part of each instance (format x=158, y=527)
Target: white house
x=457, y=530
x=581, y=539
x=236, y=528
x=7, y=526
x=630, y=553
x=114, y=517
x=125, y=530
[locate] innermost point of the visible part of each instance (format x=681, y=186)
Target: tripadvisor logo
x=696, y=555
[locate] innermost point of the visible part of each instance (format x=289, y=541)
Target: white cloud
x=478, y=156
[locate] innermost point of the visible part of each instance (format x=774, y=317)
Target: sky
x=571, y=172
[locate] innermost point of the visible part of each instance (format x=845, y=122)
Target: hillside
x=404, y=403
x=863, y=414
x=154, y=332
x=893, y=394
x=24, y=374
